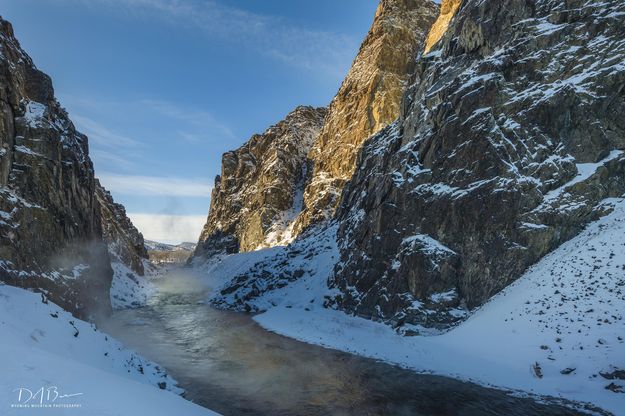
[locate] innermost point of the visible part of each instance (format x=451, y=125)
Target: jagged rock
x=614, y=375
x=368, y=100
x=259, y=192
x=254, y=205
x=50, y=229
x=613, y=387
x=511, y=135
x=124, y=241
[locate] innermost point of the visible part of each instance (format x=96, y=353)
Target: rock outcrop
x=449, y=8
x=50, y=228
x=125, y=242
x=510, y=138
x=368, y=100
x=259, y=193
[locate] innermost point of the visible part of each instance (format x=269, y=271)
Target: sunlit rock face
x=50, y=229
x=260, y=190
x=125, y=242
x=278, y=183
x=448, y=11
x=368, y=100
x=510, y=139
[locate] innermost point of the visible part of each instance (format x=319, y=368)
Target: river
x=228, y=363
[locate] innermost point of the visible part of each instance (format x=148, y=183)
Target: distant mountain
x=169, y=253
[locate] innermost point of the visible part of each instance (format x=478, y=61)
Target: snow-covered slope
x=42, y=346
x=553, y=332
x=128, y=289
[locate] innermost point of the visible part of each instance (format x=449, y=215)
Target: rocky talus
x=260, y=190
x=50, y=228
x=125, y=242
x=368, y=100
x=511, y=136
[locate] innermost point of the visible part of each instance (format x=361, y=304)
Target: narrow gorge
x=446, y=235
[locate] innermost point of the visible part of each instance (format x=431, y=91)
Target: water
x=228, y=363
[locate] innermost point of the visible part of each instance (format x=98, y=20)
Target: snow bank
x=44, y=347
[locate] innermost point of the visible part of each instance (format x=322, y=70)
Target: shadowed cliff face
x=52, y=210
x=259, y=192
x=125, y=242
x=50, y=230
x=368, y=100
x=510, y=138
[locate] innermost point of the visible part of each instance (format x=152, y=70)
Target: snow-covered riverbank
x=553, y=332
x=44, y=347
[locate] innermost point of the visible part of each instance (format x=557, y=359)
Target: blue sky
x=164, y=87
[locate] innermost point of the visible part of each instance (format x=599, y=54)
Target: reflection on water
x=228, y=363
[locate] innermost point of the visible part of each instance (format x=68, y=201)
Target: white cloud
x=155, y=185
x=171, y=229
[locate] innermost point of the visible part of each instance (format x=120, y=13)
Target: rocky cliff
x=125, y=242
x=50, y=228
x=368, y=100
x=511, y=136
x=509, y=142
x=280, y=182
x=259, y=193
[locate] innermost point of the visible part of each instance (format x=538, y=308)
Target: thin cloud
x=115, y=158
x=324, y=52
x=200, y=119
x=102, y=136
x=155, y=185
x=171, y=229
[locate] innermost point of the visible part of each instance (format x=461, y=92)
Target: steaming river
x=228, y=363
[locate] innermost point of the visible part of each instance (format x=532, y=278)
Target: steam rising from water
x=228, y=363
